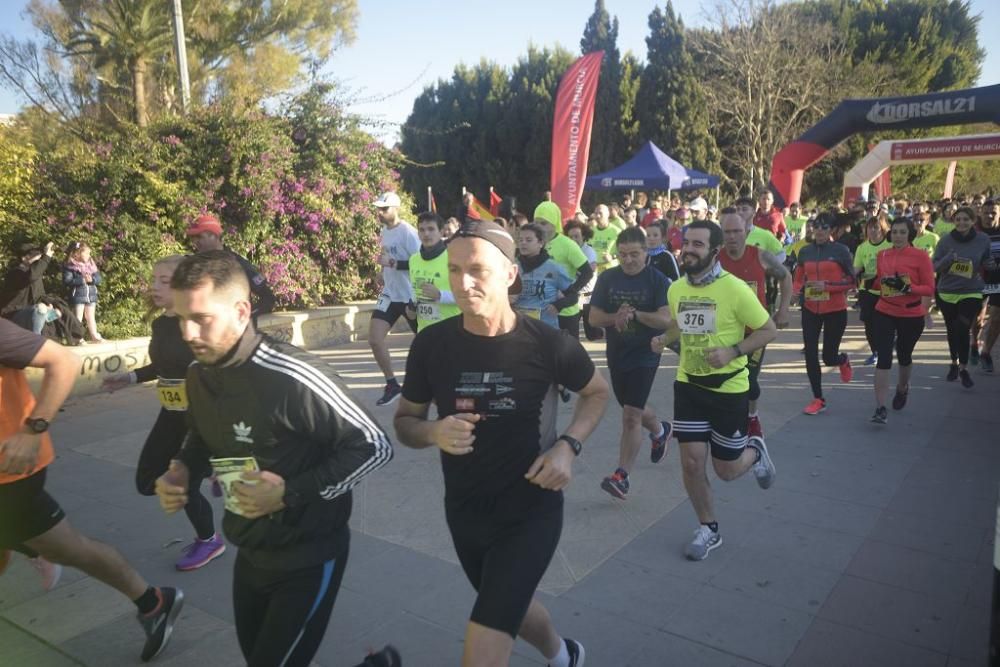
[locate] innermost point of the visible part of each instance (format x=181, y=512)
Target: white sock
x=659, y=433
x=562, y=657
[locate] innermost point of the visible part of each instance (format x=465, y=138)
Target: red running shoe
x=817, y=406
x=846, y=372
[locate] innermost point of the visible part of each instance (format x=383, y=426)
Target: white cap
x=387, y=200
x=698, y=204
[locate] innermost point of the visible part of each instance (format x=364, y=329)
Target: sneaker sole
x=765, y=455
x=613, y=491
x=813, y=414
x=168, y=630
x=392, y=400
x=708, y=550
x=203, y=563
x=581, y=656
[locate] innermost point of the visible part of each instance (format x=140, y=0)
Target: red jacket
x=773, y=221
x=913, y=266
x=831, y=264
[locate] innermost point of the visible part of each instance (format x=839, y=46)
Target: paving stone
x=834, y=645
x=913, y=570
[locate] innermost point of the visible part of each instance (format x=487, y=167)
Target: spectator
x=768, y=217
x=22, y=291
x=699, y=208
x=655, y=213
x=451, y=226
x=631, y=216
x=81, y=276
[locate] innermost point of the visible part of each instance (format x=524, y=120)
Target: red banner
x=571, y=127
x=883, y=183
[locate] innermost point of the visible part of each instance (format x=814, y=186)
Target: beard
x=694, y=264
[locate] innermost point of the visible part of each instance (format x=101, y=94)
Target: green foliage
x=672, y=109
x=293, y=192
x=606, y=143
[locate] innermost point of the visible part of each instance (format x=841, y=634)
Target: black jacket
x=258, y=285
x=22, y=286
x=286, y=408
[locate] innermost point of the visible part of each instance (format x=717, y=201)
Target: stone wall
x=318, y=328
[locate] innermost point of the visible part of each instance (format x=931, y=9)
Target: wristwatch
x=37, y=425
x=574, y=444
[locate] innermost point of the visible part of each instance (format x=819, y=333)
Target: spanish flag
x=478, y=211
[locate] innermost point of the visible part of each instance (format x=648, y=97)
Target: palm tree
x=127, y=35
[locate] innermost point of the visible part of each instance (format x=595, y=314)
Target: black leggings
x=958, y=319
x=161, y=446
x=281, y=615
x=833, y=326
x=571, y=325
x=867, y=301
x=901, y=332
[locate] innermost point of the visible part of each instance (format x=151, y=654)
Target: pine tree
x=606, y=143
x=631, y=73
x=670, y=105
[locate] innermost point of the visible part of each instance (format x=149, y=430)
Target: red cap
x=206, y=222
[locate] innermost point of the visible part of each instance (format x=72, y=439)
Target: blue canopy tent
x=652, y=169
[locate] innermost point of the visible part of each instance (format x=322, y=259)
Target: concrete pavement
x=874, y=546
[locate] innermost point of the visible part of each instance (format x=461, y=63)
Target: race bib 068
x=961, y=267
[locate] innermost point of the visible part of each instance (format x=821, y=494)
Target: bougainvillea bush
x=293, y=191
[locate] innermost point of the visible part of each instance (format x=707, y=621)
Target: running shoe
x=846, y=370
x=986, y=363
x=387, y=657
x=159, y=624
x=659, y=445
x=881, y=415
x=705, y=539
x=616, y=484
x=764, y=469
x=966, y=379
x=872, y=360
x=49, y=572
x=899, y=400
x=952, y=373
x=576, y=653
x=817, y=406
x=974, y=355
x=754, y=428
x=200, y=553
x=4, y=560
x=390, y=394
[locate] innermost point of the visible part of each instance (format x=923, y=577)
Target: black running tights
x=958, y=319
x=832, y=326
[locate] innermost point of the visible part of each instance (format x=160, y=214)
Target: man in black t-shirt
x=630, y=303
x=492, y=376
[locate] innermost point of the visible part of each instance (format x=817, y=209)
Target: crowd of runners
x=498, y=308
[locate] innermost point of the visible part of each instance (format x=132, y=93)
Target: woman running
x=959, y=258
x=823, y=275
x=543, y=281
x=865, y=256
x=904, y=275
x=169, y=358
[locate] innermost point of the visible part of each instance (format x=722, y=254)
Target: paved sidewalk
x=874, y=546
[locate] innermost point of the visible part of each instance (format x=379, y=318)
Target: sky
x=402, y=46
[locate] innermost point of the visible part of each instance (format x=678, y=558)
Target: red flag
x=495, y=201
x=434, y=204
x=883, y=182
x=571, y=127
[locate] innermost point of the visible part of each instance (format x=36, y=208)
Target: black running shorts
x=395, y=310
x=703, y=415
x=26, y=510
x=504, y=558
x=632, y=387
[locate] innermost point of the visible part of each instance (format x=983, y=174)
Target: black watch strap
x=575, y=444
x=37, y=425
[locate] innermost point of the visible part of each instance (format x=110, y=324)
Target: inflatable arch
x=916, y=151
x=954, y=107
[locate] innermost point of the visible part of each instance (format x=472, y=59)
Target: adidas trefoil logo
x=242, y=432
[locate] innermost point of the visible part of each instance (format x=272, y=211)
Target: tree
x=606, y=145
x=631, y=75
x=671, y=107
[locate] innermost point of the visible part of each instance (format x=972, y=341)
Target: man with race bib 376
x=713, y=309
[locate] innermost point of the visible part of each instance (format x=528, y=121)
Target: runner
x=796, y=221
x=169, y=358
x=823, y=276
x=904, y=274
x=399, y=242
x=959, y=259
x=753, y=266
x=569, y=256
x=490, y=374
x=657, y=254
x=991, y=227
x=428, y=271
x=582, y=235
x=604, y=244
x=544, y=283
x=926, y=241
x=712, y=309
x=206, y=234
x=630, y=303
x=31, y=521
x=864, y=266
x=287, y=443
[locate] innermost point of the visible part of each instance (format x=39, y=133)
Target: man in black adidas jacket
x=287, y=442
